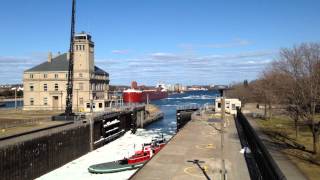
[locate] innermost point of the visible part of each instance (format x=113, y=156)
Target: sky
x=150, y=41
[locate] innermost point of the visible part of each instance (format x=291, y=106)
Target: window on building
x=31, y=76
x=81, y=86
x=88, y=105
x=219, y=105
x=81, y=101
x=45, y=75
x=83, y=47
x=45, y=101
x=100, y=105
x=45, y=87
x=31, y=102
x=233, y=106
x=80, y=75
x=56, y=87
x=66, y=75
x=31, y=87
x=56, y=76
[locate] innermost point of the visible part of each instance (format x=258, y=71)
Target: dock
x=195, y=153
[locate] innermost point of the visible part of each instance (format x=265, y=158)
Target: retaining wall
x=30, y=156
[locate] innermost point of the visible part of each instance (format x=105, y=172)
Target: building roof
x=97, y=70
x=59, y=63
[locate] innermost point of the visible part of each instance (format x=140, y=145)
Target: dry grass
x=14, y=121
x=13, y=114
x=282, y=132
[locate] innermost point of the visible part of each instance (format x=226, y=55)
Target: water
x=167, y=125
x=10, y=104
x=125, y=145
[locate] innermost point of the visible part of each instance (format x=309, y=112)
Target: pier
x=197, y=152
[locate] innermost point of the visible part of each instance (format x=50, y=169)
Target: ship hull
x=132, y=97
x=143, y=96
x=112, y=167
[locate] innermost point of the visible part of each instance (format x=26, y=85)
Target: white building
x=230, y=105
x=45, y=85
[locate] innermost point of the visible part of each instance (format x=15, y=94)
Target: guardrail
x=268, y=168
x=189, y=107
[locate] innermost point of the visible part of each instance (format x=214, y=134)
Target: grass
x=13, y=114
x=281, y=130
x=14, y=121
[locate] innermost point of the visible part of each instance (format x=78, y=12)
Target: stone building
x=45, y=84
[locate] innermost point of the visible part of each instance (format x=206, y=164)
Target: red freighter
x=138, y=95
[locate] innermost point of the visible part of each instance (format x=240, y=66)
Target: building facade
x=231, y=105
x=45, y=85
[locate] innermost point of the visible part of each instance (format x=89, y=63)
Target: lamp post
x=77, y=99
x=223, y=110
x=15, y=96
x=61, y=93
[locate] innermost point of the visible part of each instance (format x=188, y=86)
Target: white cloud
x=161, y=66
x=120, y=51
x=189, y=69
x=234, y=43
x=12, y=67
x=165, y=56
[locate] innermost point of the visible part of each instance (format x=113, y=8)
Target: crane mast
x=68, y=110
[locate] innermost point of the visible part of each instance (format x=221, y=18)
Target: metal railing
x=267, y=167
x=189, y=106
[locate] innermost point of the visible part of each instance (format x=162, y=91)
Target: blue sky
x=185, y=41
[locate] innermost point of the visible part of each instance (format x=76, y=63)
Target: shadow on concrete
x=197, y=162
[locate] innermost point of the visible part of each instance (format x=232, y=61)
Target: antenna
x=68, y=110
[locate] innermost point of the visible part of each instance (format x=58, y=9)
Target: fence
x=267, y=167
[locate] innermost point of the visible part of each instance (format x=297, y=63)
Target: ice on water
x=122, y=147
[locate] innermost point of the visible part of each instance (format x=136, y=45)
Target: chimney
x=68, y=56
x=49, y=57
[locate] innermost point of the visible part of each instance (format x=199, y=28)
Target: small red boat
x=135, y=161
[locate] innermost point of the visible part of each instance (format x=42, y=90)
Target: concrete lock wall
x=31, y=155
x=31, y=158
x=140, y=118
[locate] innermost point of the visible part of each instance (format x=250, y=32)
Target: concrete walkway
x=198, y=141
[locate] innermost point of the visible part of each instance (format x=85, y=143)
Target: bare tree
x=300, y=66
